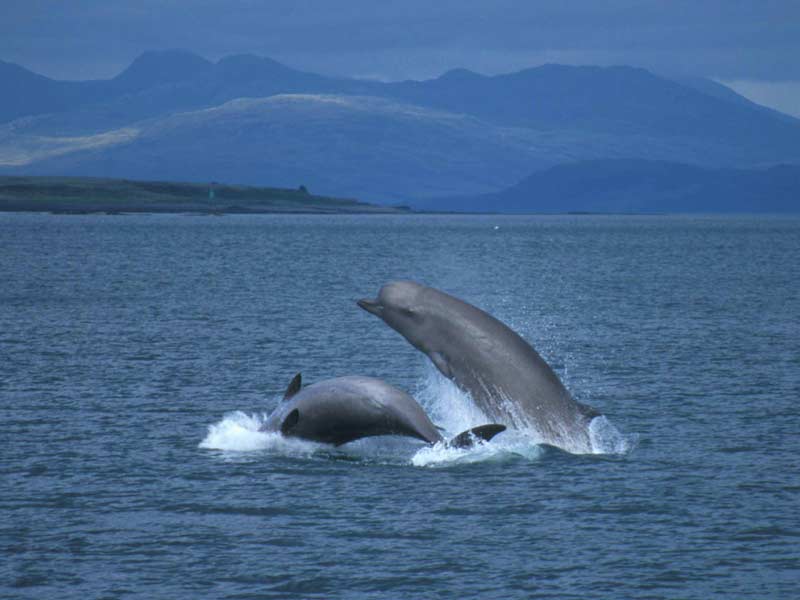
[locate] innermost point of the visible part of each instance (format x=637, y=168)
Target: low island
x=82, y=195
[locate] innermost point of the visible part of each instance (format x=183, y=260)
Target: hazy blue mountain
x=717, y=90
x=26, y=93
x=622, y=100
x=375, y=148
x=640, y=186
x=618, y=100
x=155, y=84
x=158, y=68
x=169, y=116
x=723, y=92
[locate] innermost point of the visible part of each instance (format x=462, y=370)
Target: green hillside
x=85, y=195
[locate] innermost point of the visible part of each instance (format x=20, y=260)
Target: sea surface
x=139, y=354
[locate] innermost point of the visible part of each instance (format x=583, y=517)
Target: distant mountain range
x=639, y=186
x=245, y=119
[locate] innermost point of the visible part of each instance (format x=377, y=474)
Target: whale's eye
x=408, y=312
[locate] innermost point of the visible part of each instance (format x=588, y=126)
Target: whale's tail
x=470, y=437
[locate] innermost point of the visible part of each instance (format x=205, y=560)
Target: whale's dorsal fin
x=290, y=421
x=294, y=386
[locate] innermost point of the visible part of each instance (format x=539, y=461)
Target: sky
x=751, y=45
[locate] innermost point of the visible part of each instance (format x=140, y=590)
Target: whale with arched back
x=502, y=373
x=343, y=409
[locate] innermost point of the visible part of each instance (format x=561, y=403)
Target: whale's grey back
x=343, y=409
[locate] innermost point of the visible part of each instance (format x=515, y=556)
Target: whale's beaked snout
x=398, y=304
x=396, y=299
x=371, y=306
x=394, y=296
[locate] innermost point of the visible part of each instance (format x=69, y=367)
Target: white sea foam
x=455, y=412
x=239, y=432
x=509, y=445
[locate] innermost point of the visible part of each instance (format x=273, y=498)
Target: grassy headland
x=80, y=195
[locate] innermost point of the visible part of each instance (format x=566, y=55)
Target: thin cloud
x=750, y=40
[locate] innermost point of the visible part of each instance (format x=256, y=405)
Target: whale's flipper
x=290, y=421
x=294, y=386
x=588, y=412
x=468, y=438
x=441, y=363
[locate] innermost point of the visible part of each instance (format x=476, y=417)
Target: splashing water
x=448, y=407
x=607, y=439
x=239, y=432
x=509, y=445
x=455, y=411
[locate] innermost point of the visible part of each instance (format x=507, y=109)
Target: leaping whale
x=502, y=373
x=341, y=410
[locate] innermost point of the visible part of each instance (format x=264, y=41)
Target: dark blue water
x=129, y=343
